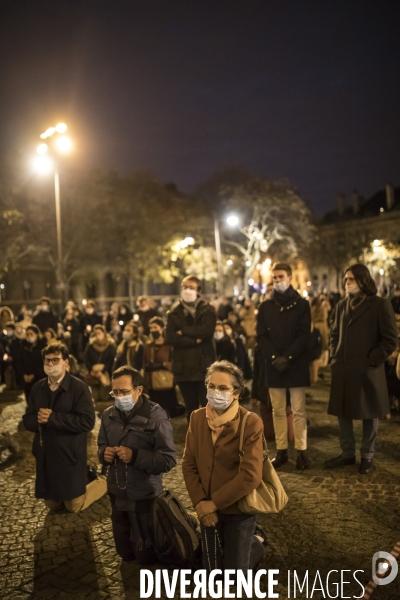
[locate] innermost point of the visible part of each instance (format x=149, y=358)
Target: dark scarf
x=284, y=298
x=355, y=300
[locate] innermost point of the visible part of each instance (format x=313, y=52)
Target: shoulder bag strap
x=242, y=434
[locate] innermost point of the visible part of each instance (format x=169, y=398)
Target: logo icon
x=386, y=570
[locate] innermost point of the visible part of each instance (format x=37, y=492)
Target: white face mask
x=352, y=288
x=281, y=286
x=218, y=335
x=189, y=295
x=127, y=336
x=219, y=400
x=54, y=370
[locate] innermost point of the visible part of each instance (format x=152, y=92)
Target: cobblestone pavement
x=334, y=519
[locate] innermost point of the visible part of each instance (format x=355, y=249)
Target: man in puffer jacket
x=136, y=440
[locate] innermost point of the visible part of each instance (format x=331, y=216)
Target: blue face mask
x=124, y=403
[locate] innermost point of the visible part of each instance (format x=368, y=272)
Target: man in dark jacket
x=60, y=412
x=190, y=330
x=44, y=317
x=363, y=336
x=283, y=332
x=87, y=321
x=136, y=439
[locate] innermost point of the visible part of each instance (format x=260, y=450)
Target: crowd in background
x=100, y=341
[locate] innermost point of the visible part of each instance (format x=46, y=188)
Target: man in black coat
x=283, y=333
x=87, y=321
x=60, y=413
x=190, y=330
x=44, y=317
x=363, y=336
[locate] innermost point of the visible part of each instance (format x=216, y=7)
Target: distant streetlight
x=232, y=220
x=44, y=164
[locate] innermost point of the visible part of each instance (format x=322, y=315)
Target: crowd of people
x=203, y=359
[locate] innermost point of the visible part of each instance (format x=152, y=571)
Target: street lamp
x=232, y=220
x=56, y=142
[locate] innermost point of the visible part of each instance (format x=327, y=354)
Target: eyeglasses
x=219, y=388
x=116, y=393
x=51, y=361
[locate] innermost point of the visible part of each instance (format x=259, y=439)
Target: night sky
x=304, y=89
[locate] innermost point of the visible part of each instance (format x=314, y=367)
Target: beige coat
x=212, y=472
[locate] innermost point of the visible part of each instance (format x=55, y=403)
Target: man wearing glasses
x=136, y=440
x=60, y=413
x=190, y=330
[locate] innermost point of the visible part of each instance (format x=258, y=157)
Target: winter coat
x=105, y=356
x=283, y=329
x=45, y=319
x=129, y=353
x=144, y=318
x=360, y=343
x=226, y=349
x=31, y=359
x=147, y=431
x=61, y=461
x=72, y=327
x=191, y=359
x=211, y=472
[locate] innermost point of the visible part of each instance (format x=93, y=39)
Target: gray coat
x=148, y=433
x=360, y=344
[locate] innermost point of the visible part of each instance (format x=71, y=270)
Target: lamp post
x=57, y=142
x=232, y=220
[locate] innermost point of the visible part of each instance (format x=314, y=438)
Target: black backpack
x=175, y=537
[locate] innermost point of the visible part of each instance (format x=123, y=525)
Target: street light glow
x=43, y=165
x=248, y=263
x=63, y=144
x=229, y=262
x=251, y=282
x=232, y=220
x=381, y=272
x=61, y=128
x=377, y=243
x=42, y=149
x=49, y=132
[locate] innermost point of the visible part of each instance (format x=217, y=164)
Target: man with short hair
x=190, y=330
x=145, y=312
x=60, y=413
x=44, y=318
x=87, y=321
x=283, y=332
x=136, y=439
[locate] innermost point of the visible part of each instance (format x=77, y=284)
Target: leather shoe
x=365, y=466
x=302, y=461
x=280, y=459
x=339, y=461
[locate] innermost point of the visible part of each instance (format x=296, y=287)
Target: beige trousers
x=298, y=403
x=94, y=491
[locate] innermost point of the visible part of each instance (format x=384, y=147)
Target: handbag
x=269, y=496
x=162, y=379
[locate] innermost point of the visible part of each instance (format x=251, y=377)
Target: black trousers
x=194, y=395
x=125, y=525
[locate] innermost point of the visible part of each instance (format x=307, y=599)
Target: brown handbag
x=269, y=496
x=162, y=379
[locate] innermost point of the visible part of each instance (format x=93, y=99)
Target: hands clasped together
x=122, y=452
x=43, y=415
x=207, y=512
